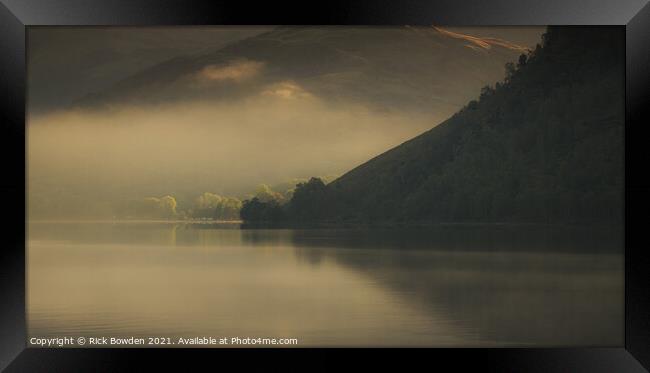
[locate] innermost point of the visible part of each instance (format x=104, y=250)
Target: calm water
x=445, y=286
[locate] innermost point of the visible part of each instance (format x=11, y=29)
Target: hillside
x=386, y=68
x=545, y=145
x=225, y=116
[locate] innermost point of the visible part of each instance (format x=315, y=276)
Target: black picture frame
x=633, y=15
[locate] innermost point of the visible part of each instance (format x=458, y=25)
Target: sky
x=116, y=114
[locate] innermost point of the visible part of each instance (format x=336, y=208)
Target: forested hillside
x=544, y=145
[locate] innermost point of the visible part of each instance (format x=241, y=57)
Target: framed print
x=458, y=182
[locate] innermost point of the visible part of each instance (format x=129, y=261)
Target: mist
x=117, y=121
x=82, y=162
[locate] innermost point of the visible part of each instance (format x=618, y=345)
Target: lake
x=437, y=286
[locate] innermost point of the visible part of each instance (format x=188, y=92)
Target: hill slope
x=546, y=145
x=393, y=67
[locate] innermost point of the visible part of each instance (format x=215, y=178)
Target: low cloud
x=234, y=71
x=77, y=159
x=286, y=90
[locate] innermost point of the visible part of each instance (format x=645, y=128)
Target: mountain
x=545, y=145
x=413, y=68
x=225, y=115
x=67, y=63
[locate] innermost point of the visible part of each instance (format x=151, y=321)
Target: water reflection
x=510, y=287
x=444, y=286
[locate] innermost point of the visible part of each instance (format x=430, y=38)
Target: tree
x=155, y=208
x=309, y=200
x=255, y=210
x=213, y=206
x=168, y=206
x=265, y=194
x=510, y=71
x=522, y=60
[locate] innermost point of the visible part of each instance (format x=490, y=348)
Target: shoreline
x=333, y=225
x=129, y=221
